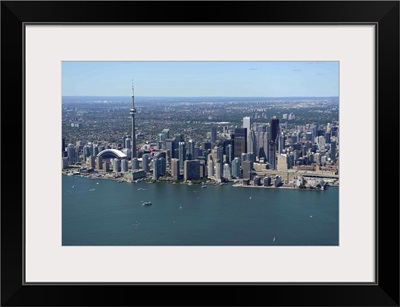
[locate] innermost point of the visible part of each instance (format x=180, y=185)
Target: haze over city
x=196, y=79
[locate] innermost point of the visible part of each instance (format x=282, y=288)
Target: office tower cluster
x=249, y=149
x=227, y=153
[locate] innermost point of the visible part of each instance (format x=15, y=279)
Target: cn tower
x=132, y=112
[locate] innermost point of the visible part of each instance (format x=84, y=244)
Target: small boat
x=73, y=186
x=92, y=189
x=203, y=186
x=273, y=240
x=97, y=183
x=146, y=203
x=250, y=197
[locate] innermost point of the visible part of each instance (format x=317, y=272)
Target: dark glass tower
x=240, y=141
x=213, y=134
x=274, y=129
x=274, y=134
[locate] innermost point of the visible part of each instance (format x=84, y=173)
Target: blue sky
x=234, y=79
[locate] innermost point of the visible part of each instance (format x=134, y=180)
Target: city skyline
x=273, y=145
x=202, y=79
x=255, y=144
x=223, y=175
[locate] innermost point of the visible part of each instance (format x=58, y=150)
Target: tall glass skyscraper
x=227, y=172
x=71, y=154
x=274, y=134
x=170, y=145
x=182, y=154
x=229, y=153
x=220, y=153
x=236, y=168
x=240, y=141
x=145, y=163
x=274, y=129
x=213, y=134
x=156, y=169
x=191, y=150
x=247, y=169
x=218, y=170
x=210, y=166
x=161, y=141
x=175, y=169
x=248, y=124
x=162, y=165
x=127, y=143
x=191, y=170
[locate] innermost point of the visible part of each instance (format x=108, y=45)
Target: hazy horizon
x=154, y=96
x=205, y=79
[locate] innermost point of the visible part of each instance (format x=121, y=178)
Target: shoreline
x=207, y=183
x=282, y=187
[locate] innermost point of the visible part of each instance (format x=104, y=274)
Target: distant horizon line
x=202, y=96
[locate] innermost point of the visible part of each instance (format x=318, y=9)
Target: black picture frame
x=383, y=14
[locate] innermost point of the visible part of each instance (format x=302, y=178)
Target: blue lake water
x=105, y=212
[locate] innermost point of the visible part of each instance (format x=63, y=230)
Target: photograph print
x=200, y=153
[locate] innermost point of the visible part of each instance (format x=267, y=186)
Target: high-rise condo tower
x=273, y=145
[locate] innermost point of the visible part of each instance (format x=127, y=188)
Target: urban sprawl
x=262, y=150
